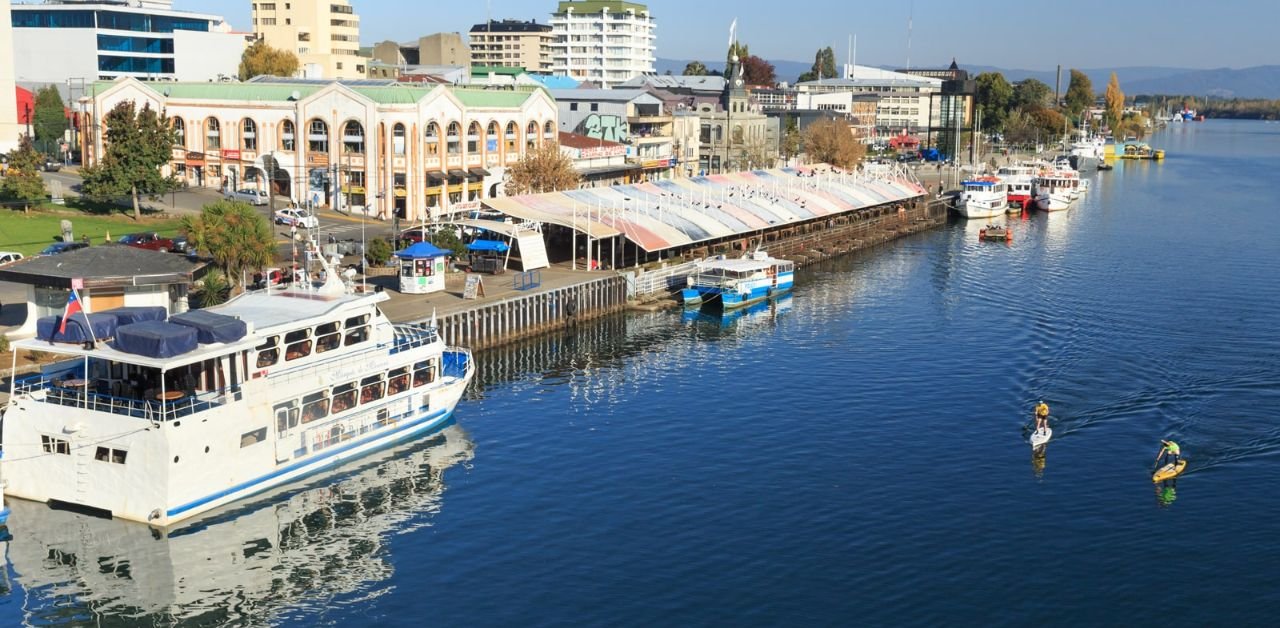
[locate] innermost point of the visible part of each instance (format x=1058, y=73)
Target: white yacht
x=983, y=197
x=1056, y=190
x=160, y=420
x=1017, y=179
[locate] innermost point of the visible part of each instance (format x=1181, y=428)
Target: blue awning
x=422, y=250
x=488, y=245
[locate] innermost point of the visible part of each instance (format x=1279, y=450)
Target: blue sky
x=1024, y=34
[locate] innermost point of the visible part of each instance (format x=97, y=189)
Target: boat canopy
x=156, y=339
x=80, y=328
x=212, y=327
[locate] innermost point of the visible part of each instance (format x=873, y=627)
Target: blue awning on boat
x=156, y=339
x=212, y=327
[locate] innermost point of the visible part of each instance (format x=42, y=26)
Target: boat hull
x=970, y=209
x=1053, y=202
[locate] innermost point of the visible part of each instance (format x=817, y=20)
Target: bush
x=4, y=344
x=448, y=240
x=378, y=251
x=215, y=289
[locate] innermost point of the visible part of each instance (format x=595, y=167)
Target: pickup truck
x=148, y=241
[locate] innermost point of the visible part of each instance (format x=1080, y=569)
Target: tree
x=1115, y=102
x=695, y=68
x=138, y=144
x=832, y=141
x=234, y=234
x=791, y=140
x=738, y=49
x=49, y=119
x=1030, y=93
x=757, y=71
x=22, y=179
x=1048, y=122
x=1018, y=128
x=544, y=169
x=995, y=96
x=824, y=66
x=1079, y=93
x=756, y=154
x=259, y=59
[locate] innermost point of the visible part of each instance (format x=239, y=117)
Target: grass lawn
x=30, y=233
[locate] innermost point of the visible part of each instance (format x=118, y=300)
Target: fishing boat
x=983, y=197
x=733, y=283
x=1017, y=179
x=161, y=419
x=1055, y=190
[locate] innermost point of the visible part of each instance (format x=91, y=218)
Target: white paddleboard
x=1040, y=437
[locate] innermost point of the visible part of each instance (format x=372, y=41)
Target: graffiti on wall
x=607, y=127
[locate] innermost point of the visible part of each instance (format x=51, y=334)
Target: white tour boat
x=735, y=283
x=1056, y=190
x=983, y=197
x=1017, y=179
x=160, y=420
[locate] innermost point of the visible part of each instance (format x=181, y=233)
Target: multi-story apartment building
x=9, y=130
x=512, y=44
x=88, y=41
x=325, y=34
x=387, y=150
x=905, y=103
x=633, y=117
x=438, y=49
x=602, y=42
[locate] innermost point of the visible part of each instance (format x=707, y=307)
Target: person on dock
x=1169, y=454
x=1042, y=416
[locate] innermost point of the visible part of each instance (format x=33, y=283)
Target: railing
x=152, y=410
x=411, y=337
x=456, y=362
x=663, y=279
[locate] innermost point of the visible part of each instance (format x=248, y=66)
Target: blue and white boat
x=735, y=283
x=170, y=418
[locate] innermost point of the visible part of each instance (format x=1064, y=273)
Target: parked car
x=249, y=195
x=299, y=217
x=272, y=277
x=9, y=256
x=51, y=165
x=62, y=247
x=182, y=245
x=150, y=241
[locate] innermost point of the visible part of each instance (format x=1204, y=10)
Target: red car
x=149, y=241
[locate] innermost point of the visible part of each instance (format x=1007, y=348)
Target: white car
x=296, y=217
x=8, y=256
x=249, y=195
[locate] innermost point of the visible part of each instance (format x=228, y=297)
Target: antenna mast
x=911, y=13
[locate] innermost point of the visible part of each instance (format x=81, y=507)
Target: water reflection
x=1038, y=459
x=290, y=549
x=1166, y=493
x=713, y=321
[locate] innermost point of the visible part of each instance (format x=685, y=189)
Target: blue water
x=853, y=455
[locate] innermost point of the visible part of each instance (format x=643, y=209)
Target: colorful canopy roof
x=668, y=214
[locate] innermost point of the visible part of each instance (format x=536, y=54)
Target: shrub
x=378, y=251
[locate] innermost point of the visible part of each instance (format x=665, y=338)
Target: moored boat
x=160, y=420
x=983, y=197
x=1055, y=190
x=995, y=233
x=1017, y=179
x=1142, y=151
x=734, y=283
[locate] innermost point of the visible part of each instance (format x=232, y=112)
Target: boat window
x=344, y=398
x=327, y=328
x=253, y=438
x=295, y=336
x=356, y=321
x=107, y=454
x=328, y=343
x=384, y=417
x=397, y=381
x=269, y=343
x=315, y=407
x=370, y=393
x=53, y=445
x=268, y=357
x=298, y=350
x=424, y=375
x=286, y=416
x=357, y=336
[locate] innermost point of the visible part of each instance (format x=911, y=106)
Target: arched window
x=737, y=134
x=286, y=135
x=397, y=139
x=318, y=136
x=511, y=137
x=548, y=132
x=179, y=132
x=212, y=134
x=432, y=137
x=473, y=138
x=455, y=147
x=248, y=135
x=531, y=136
x=353, y=138
x=491, y=135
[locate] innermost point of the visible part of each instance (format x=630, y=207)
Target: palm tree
x=234, y=234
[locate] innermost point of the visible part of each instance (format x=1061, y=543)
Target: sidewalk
x=412, y=307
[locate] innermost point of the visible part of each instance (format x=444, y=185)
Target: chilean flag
x=73, y=306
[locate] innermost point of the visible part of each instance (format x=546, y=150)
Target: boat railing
x=149, y=409
x=411, y=337
x=457, y=363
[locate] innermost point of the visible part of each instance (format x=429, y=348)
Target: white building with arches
x=383, y=149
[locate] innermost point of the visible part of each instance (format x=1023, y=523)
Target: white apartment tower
x=602, y=41
x=325, y=34
x=9, y=129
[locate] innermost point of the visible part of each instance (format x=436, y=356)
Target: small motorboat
x=995, y=233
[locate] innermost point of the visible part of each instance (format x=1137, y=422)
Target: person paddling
x=1169, y=453
x=1042, y=416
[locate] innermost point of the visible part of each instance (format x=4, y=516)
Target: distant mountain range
x=1261, y=81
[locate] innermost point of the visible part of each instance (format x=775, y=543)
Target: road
x=191, y=200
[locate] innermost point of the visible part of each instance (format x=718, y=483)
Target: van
x=249, y=195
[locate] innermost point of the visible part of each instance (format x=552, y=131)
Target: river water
x=855, y=454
